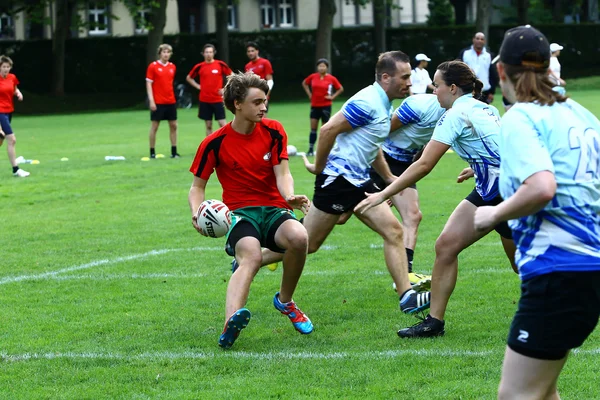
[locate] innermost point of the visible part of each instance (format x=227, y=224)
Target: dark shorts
x=556, y=313
x=322, y=113
x=338, y=195
x=475, y=199
x=5, y=120
x=397, y=168
x=207, y=110
x=258, y=222
x=164, y=112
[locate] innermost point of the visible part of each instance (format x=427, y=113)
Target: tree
x=380, y=22
x=156, y=27
x=522, y=17
x=222, y=20
x=460, y=11
x=482, y=24
x=440, y=13
x=327, y=10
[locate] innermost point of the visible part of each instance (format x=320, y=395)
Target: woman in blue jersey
x=550, y=178
x=471, y=128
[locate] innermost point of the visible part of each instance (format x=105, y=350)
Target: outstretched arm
x=337, y=125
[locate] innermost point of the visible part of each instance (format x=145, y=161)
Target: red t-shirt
x=244, y=164
x=211, y=79
x=7, y=93
x=162, y=76
x=261, y=67
x=321, y=87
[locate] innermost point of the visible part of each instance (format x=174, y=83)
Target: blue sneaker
x=415, y=302
x=234, y=325
x=234, y=265
x=298, y=318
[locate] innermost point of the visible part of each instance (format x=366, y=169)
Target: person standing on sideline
x=471, y=128
x=348, y=145
x=210, y=76
x=8, y=90
x=250, y=157
x=550, y=180
x=321, y=88
x=259, y=66
x=161, y=97
x=419, y=77
x=554, y=69
x=479, y=59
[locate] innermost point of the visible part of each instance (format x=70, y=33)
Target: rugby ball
x=292, y=150
x=214, y=218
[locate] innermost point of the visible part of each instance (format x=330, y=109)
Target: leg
x=173, y=132
x=458, y=234
x=510, y=249
x=381, y=220
x=292, y=237
x=407, y=203
x=247, y=254
x=152, y=136
x=312, y=138
x=222, y=122
x=529, y=378
x=11, y=141
x=208, y=124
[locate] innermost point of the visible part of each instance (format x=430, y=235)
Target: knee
x=394, y=233
x=446, y=245
x=413, y=218
x=251, y=261
x=11, y=139
x=299, y=241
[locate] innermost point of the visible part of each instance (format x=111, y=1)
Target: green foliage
x=441, y=13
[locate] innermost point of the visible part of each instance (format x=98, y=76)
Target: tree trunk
x=522, y=17
x=460, y=11
x=327, y=10
x=158, y=19
x=59, y=38
x=557, y=13
x=222, y=20
x=379, y=20
x=482, y=23
x=592, y=11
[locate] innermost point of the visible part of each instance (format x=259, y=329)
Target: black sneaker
x=152, y=155
x=429, y=327
x=176, y=155
x=416, y=302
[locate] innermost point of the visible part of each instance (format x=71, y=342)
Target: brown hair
x=207, y=45
x=6, y=59
x=237, y=87
x=164, y=46
x=460, y=74
x=533, y=84
x=386, y=63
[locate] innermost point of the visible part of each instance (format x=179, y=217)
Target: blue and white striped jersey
x=563, y=139
x=368, y=111
x=472, y=129
x=419, y=114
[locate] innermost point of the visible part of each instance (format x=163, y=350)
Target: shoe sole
x=238, y=321
x=421, y=337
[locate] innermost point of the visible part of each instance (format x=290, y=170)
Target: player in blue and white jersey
x=471, y=128
x=347, y=147
x=550, y=178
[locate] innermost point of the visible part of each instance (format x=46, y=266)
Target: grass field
x=106, y=290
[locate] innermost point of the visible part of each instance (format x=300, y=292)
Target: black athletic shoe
x=429, y=327
x=175, y=155
x=152, y=155
x=415, y=302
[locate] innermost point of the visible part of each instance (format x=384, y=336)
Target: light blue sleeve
x=358, y=112
x=522, y=148
x=447, y=129
x=409, y=112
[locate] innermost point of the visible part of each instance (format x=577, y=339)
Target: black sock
x=173, y=150
x=15, y=169
x=312, y=139
x=152, y=152
x=409, y=254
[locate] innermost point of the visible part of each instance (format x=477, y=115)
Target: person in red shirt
x=161, y=97
x=259, y=66
x=321, y=88
x=8, y=90
x=210, y=75
x=250, y=157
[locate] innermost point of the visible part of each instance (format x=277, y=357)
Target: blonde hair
x=163, y=47
x=6, y=59
x=238, y=85
x=533, y=84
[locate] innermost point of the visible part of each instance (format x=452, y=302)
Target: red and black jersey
x=8, y=86
x=261, y=67
x=244, y=164
x=321, y=86
x=162, y=76
x=211, y=79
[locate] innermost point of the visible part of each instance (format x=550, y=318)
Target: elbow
x=546, y=192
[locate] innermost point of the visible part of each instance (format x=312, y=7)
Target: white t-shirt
x=555, y=66
x=419, y=78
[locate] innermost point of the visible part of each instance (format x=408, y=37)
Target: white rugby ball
x=214, y=218
x=292, y=150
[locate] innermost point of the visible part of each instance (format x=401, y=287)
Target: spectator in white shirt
x=554, y=70
x=419, y=77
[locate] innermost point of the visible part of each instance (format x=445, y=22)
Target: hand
x=485, y=218
x=490, y=98
x=195, y=223
x=372, y=200
x=329, y=97
x=20, y=96
x=465, y=174
x=221, y=91
x=152, y=106
x=299, y=202
x=310, y=167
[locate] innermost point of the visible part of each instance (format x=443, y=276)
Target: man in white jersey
x=411, y=128
x=550, y=178
x=419, y=76
x=479, y=59
x=554, y=69
x=347, y=147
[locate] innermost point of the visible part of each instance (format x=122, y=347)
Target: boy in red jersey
x=259, y=66
x=320, y=87
x=9, y=89
x=210, y=74
x=161, y=97
x=250, y=157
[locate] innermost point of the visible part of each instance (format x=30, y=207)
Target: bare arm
x=269, y=77
x=337, y=93
x=306, y=89
x=195, y=198
x=18, y=94
x=285, y=185
x=382, y=168
x=192, y=82
x=150, y=96
x=337, y=125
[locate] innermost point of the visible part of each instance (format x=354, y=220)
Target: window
x=141, y=21
x=231, y=15
x=7, y=30
x=267, y=13
x=286, y=14
x=98, y=18
x=277, y=13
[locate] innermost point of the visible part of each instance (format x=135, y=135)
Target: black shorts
x=5, y=119
x=244, y=229
x=397, y=168
x=475, y=199
x=164, y=112
x=207, y=110
x=322, y=113
x=335, y=195
x=556, y=313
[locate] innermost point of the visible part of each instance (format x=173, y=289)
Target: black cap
x=323, y=61
x=526, y=46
